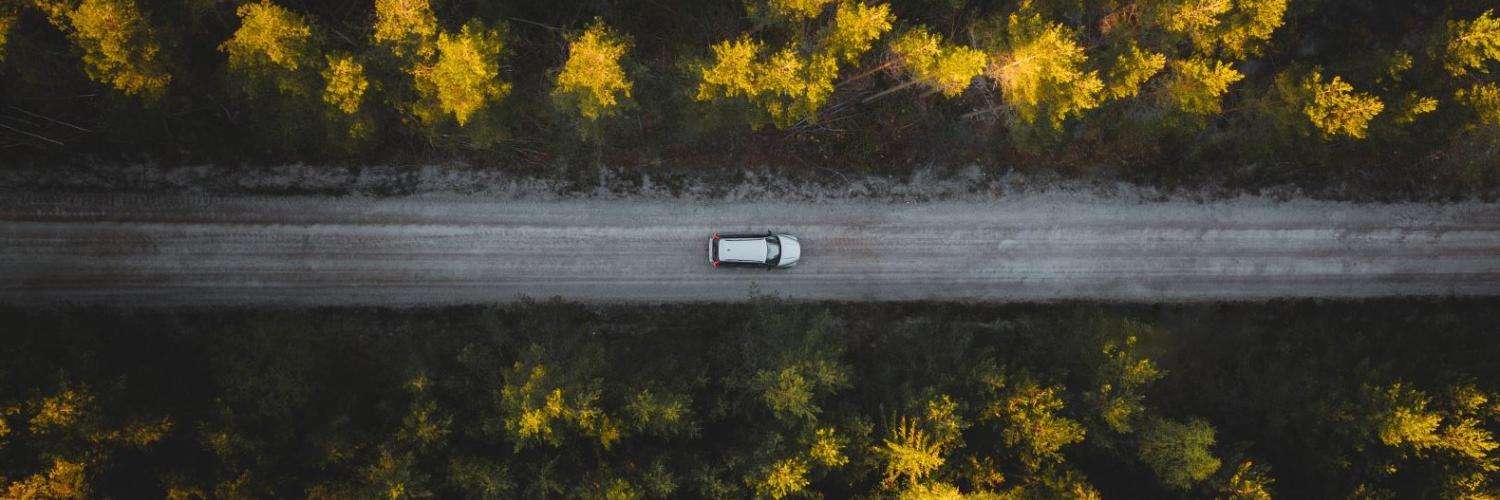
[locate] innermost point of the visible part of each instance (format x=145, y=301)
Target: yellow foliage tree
x=7, y=20
x=1249, y=482
x=827, y=448
x=948, y=69
x=1033, y=426
x=1041, y=73
x=1131, y=70
x=344, y=83
x=1471, y=44
x=1335, y=109
x=592, y=83
x=1413, y=105
x=407, y=26
x=64, y=480
x=732, y=73
x=119, y=47
x=271, y=42
x=1197, y=86
x=856, y=25
x=464, y=78
x=910, y=453
x=783, y=478
x=797, y=10
x=1233, y=28
x=1484, y=99
x=785, y=86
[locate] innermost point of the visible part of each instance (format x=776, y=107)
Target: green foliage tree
x=1131, y=70
x=948, y=69
x=1197, y=86
x=1178, y=453
x=592, y=83
x=120, y=48
x=273, y=44
x=1041, y=72
x=463, y=79
x=1335, y=109
x=1472, y=44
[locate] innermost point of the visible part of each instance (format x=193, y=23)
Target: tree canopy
x=120, y=47
x=1041, y=72
x=592, y=83
x=1472, y=44
x=1335, y=109
x=464, y=78
x=946, y=68
x=271, y=43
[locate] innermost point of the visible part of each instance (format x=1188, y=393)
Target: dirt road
x=134, y=250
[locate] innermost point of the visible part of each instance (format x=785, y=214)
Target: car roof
x=743, y=250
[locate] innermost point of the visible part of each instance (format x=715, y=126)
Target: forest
x=1383, y=99
x=768, y=399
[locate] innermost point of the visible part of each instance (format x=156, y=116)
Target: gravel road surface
x=199, y=250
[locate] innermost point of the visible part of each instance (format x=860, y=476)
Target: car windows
x=773, y=250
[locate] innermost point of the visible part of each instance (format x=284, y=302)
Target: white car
x=768, y=250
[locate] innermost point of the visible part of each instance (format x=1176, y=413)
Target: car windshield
x=773, y=249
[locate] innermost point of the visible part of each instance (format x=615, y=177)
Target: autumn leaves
x=1036, y=65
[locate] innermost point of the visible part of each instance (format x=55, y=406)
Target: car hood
x=791, y=251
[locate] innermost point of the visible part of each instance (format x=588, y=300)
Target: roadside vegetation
x=777, y=399
x=1390, y=99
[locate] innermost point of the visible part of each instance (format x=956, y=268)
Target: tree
x=1178, y=453
x=272, y=43
x=119, y=47
x=408, y=27
x=1484, y=99
x=915, y=448
x=344, y=83
x=1233, y=28
x=539, y=403
x=1413, y=105
x=1335, y=109
x=732, y=73
x=783, y=478
x=592, y=83
x=1032, y=426
x=7, y=21
x=1124, y=375
x=464, y=78
x=1196, y=86
x=1471, y=44
x=796, y=10
x=855, y=27
x=1131, y=70
x=1040, y=71
x=785, y=87
x=1250, y=481
x=926, y=60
